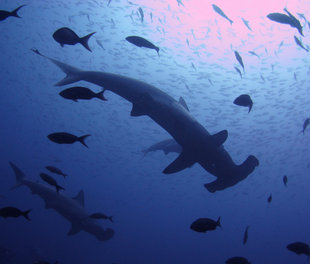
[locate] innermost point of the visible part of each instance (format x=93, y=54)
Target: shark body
x=70, y=208
x=198, y=146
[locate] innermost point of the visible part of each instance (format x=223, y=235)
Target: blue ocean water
x=152, y=211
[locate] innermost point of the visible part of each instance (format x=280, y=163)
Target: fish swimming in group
x=244, y=100
x=101, y=216
x=296, y=22
x=10, y=211
x=237, y=69
x=269, y=198
x=5, y=14
x=66, y=36
x=141, y=14
x=239, y=59
x=180, y=3
x=205, y=224
x=237, y=260
x=285, y=180
x=246, y=23
x=299, y=43
x=254, y=53
x=51, y=181
x=245, y=236
x=305, y=125
x=142, y=42
x=299, y=248
x=55, y=170
x=221, y=13
x=67, y=138
x=81, y=93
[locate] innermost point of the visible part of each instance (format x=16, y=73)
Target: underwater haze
x=153, y=211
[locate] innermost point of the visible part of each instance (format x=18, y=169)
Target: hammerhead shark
x=198, y=146
x=70, y=208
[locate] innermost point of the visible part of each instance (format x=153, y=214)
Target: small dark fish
x=245, y=236
x=285, y=19
x=239, y=59
x=151, y=16
x=299, y=43
x=194, y=67
x=55, y=170
x=9, y=211
x=295, y=76
x=296, y=23
x=246, y=23
x=308, y=25
x=100, y=44
x=302, y=16
x=66, y=36
x=180, y=3
x=254, y=54
x=237, y=260
x=281, y=44
x=299, y=248
x=101, y=216
x=285, y=180
x=210, y=82
x=269, y=198
x=237, y=69
x=141, y=14
x=244, y=100
x=5, y=14
x=81, y=93
x=142, y=42
x=221, y=13
x=262, y=77
x=66, y=138
x=306, y=123
x=205, y=224
x=50, y=180
x=109, y=2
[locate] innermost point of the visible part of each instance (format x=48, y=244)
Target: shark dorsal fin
x=75, y=228
x=183, y=103
x=80, y=198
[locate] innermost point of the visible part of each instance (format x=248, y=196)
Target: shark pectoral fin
x=80, y=198
x=75, y=228
x=219, y=138
x=182, y=162
x=183, y=103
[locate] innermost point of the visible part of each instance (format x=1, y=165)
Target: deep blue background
x=152, y=211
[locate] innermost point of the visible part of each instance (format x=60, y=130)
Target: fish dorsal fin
x=219, y=138
x=80, y=198
x=182, y=162
x=75, y=228
x=183, y=103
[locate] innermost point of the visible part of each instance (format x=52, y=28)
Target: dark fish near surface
x=254, y=53
x=299, y=248
x=205, y=224
x=285, y=180
x=5, y=14
x=101, y=216
x=221, y=13
x=142, y=42
x=9, y=211
x=50, y=180
x=245, y=236
x=81, y=93
x=244, y=100
x=141, y=14
x=246, y=23
x=296, y=22
x=285, y=19
x=67, y=138
x=306, y=123
x=237, y=260
x=55, y=170
x=66, y=36
x=239, y=59
x=269, y=198
x=299, y=43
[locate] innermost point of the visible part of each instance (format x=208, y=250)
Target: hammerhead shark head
x=70, y=208
x=198, y=146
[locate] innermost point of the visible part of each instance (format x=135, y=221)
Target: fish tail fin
x=101, y=96
x=14, y=12
x=25, y=214
x=58, y=188
x=73, y=73
x=250, y=108
x=157, y=49
x=18, y=174
x=84, y=40
x=82, y=140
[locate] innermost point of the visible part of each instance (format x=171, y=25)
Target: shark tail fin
x=84, y=40
x=14, y=12
x=18, y=174
x=82, y=140
x=25, y=214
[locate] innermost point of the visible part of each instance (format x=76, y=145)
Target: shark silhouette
x=198, y=146
x=70, y=208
